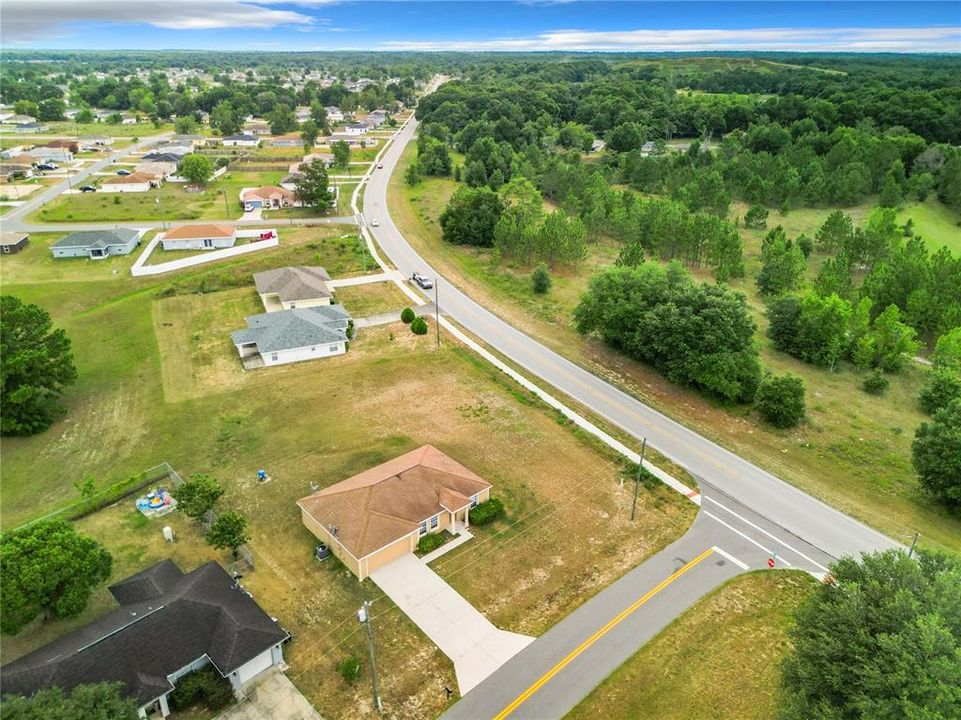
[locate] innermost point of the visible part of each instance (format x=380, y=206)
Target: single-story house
x=135, y=182
x=377, y=118
x=13, y=119
x=289, y=140
x=161, y=168
x=194, y=141
x=302, y=113
x=180, y=149
x=97, y=244
x=13, y=242
x=244, y=140
x=334, y=113
x=290, y=336
x=326, y=158
x=199, y=237
x=12, y=151
x=45, y=153
x=31, y=127
x=104, y=140
x=168, y=625
x=380, y=514
x=175, y=158
x=289, y=182
x=12, y=171
x=355, y=129
x=127, y=119
x=23, y=160
x=257, y=127
x=267, y=197
x=293, y=287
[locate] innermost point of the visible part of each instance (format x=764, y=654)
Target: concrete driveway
x=470, y=640
x=272, y=697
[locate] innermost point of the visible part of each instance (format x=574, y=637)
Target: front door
x=208, y=243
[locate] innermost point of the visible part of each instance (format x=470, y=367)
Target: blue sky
x=502, y=25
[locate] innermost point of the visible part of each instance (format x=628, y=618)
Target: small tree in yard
x=197, y=168
x=48, y=569
x=418, y=326
x=308, y=134
x=541, y=279
x=228, y=532
x=943, y=387
x=407, y=315
x=35, y=365
x=756, y=218
x=198, y=495
x=936, y=454
x=780, y=400
x=312, y=186
x=341, y=151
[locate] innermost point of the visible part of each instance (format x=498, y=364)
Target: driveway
x=272, y=697
x=470, y=640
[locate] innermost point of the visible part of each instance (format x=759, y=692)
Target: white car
x=374, y=222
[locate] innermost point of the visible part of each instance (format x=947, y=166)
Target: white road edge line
x=773, y=537
x=730, y=557
x=746, y=537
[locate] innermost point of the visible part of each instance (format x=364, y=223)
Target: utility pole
x=226, y=204
x=913, y=544
x=364, y=616
x=437, y=308
x=637, y=480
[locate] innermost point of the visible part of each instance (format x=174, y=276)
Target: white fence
x=139, y=269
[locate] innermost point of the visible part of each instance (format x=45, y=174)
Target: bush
x=943, y=387
x=116, y=199
x=349, y=669
x=875, y=384
x=541, y=279
x=407, y=315
x=780, y=400
x=430, y=541
x=205, y=685
x=419, y=326
x=486, y=512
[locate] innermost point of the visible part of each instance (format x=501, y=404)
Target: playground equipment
x=157, y=502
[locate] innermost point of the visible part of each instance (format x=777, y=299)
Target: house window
x=433, y=521
x=473, y=501
x=293, y=305
x=423, y=528
x=334, y=348
x=273, y=357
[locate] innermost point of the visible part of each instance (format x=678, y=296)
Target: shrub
x=486, y=512
x=116, y=199
x=349, y=669
x=205, y=685
x=943, y=387
x=419, y=326
x=780, y=400
x=875, y=384
x=541, y=279
x=407, y=315
x=430, y=541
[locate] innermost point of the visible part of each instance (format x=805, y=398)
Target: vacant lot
x=361, y=300
x=718, y=660
x=853, y=451
x=149, y=392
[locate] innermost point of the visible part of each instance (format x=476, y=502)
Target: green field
x=853, y=451
x=718, y=660
x=935, y=222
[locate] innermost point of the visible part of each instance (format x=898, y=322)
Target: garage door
x=254, y=667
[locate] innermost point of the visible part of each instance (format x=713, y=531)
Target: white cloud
x=27, y=20
x=926, y=39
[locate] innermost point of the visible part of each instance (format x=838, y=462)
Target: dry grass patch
x=371, y=299
x=718, y=660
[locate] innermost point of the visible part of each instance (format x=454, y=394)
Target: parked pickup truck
x=425, y=283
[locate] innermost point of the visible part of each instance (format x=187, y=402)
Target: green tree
x=890, y=196
x=198, y=495
x=835, y=232
x=813, y=328
x=26, y=107
x=626, y=137
x=282, y=119
x=318, y=113
x=418, y=326
x=942, y=388
x=225, y=119
x=782, y=264
x=407, y=316
x=36, y=364
x=949, y=183
x=470, y=216
x=197, y=168
x=412, y=175
x=341, y=151
x=936, y=454
x=519, y=219
x=312, y=186
x=947, y=350
x=756, y=217
x=433, y=156
x=780, y=400
x=894, y=342
x=835, y=277
x=228, y=532
x=308, y=134
x=101, y=701
x=185, y=125
x=560, y=240
x=48, y=569
x=541, y=279
x=51, y=109
x=880, y=641
x=84, y=116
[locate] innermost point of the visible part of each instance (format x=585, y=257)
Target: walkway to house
x=392, y=316
x=366, y=279
x=271, y=697
x=475, y=646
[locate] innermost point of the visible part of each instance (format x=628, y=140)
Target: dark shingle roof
x=289, y=329
x=97, y=238
x=167, y=621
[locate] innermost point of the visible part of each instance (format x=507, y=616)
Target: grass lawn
x=935, y=222
x=174, y=202
x=853, y=451
x=361, y=300
x=159, y=380
x=718, y=660
x=68, y=128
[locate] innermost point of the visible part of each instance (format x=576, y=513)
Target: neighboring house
x=161, y=168
x=598, y=145
x=12, y=151
x=97, y=244
x=102, y=140
x=289, y=336
x=31, y=127
x=289, y=140
x=377, y=118
x=162, y=157
x=326, y=158
x=134, y=183
x=289, y=182
x=257, y=127
x=23, y=160
x=45, y=153
x=302, y=113
x=13, y=242
x=355, y=129
x=199, y=237
x=126, y=119
x=380, y=515
x=334, y=114
x=293, y=287
x=267, y=198
x=193, y=141
x=180, y=149
x=19, y=119
x=10, y=172
x=244, y=140
x=168, y=624
x=102, y=115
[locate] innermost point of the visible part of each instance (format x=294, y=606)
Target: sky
x=522, y=25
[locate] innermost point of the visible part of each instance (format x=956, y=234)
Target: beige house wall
x=322, y=534
x=389, y=553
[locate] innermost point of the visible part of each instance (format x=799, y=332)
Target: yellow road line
x=524, y=696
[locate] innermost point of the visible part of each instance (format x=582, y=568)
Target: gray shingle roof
x=290, y=329
x=294, y=283
x=167, y=620
x=97, y=238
